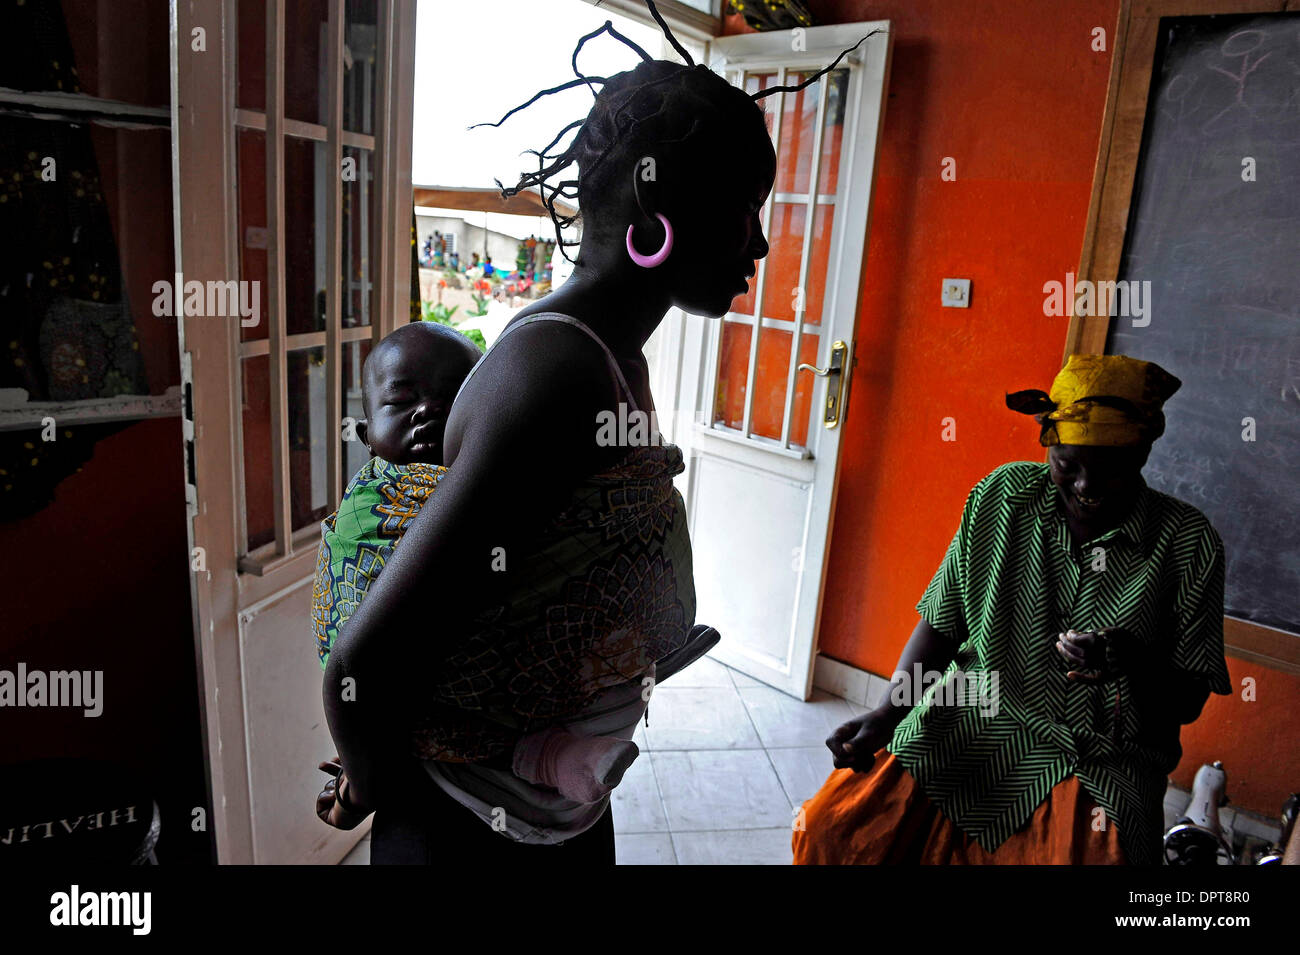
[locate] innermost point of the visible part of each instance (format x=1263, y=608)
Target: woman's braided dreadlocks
x=659, y=103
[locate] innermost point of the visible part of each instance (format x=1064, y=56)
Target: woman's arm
x=1162, y=691
x=854, y=744
x=528, y=436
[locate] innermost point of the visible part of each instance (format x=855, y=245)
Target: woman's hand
x=1096, y=656
x=1085, y=652
x=330, y=804
x=854, y=744
x=1162, y=693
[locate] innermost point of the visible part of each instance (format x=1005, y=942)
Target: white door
x=264, y=116
x=760, y=429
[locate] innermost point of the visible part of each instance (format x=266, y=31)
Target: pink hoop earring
x=658, y=258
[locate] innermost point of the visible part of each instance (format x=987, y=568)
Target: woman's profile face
x=718, y=229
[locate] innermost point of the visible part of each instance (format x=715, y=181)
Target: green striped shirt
x=1012, y=580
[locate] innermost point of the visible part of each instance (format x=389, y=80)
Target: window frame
x=389, y=148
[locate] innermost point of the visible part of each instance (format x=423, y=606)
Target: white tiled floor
x=726, y=762
x=724, y=765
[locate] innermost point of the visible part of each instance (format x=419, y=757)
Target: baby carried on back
x=547, y=687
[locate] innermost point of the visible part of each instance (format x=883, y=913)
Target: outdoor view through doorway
x=747, y=397
x=483, y=258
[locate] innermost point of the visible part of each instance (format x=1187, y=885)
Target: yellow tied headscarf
x=1109, y=400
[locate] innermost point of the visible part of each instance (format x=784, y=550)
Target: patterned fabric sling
x=600, y=594
x=356, y=540
x=610, y=590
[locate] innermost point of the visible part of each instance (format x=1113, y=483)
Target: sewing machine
x=1197, y=839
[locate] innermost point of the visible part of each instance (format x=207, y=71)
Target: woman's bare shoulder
x=546, y=375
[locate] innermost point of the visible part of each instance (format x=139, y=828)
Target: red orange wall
x=100, y=581
x=1014, y=93
x=1256, y=739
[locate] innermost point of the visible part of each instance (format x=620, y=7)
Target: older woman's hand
x=1085, y=652
x=854, y=744
x=1099, y=655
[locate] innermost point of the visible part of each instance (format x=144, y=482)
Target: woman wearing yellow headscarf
x=1075, y=623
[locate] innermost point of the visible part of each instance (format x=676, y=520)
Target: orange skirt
x=883, y=817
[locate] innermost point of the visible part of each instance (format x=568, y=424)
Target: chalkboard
x=1214, y=226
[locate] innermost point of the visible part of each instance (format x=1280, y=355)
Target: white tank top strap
x=625, y=391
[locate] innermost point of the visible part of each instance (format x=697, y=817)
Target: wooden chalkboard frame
x=1133, y=55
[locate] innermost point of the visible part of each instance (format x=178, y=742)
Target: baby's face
x=410, y=387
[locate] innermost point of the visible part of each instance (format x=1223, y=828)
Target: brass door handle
x=834, y=389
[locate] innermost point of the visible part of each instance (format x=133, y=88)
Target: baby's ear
x=363, y=432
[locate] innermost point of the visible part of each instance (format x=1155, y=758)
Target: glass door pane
x=259, y=494
x=361, y=65
x=733, y=373
x=833, y=131
x=794, y=275
x=308, y=433
x=308, y=182
x=786, y=236
x=305, y=80
x=354, y=452
x=798, y=130
x=251, y=52
x=251, y=241
x=770, y=385
x=358, y=237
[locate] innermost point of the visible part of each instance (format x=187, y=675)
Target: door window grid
x=305, y=372
x=813, y=202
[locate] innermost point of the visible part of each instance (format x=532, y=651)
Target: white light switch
x=956, y=293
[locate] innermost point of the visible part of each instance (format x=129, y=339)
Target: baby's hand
x=330, y=808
